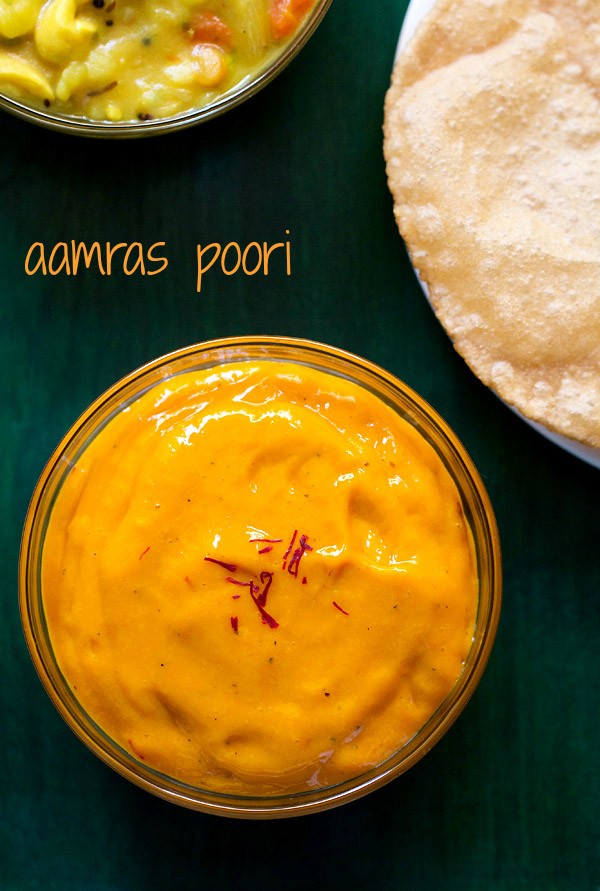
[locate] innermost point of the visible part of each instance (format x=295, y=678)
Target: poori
x=492, y=145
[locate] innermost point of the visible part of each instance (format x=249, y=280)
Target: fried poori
x=492, y=144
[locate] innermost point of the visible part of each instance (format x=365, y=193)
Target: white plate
x=415, y=12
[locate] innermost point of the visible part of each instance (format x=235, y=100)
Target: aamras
x=68, y=258
x=258, y=579
x=121, y=60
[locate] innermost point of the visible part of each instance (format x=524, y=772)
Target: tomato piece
x=208, y=27
x=285, y=16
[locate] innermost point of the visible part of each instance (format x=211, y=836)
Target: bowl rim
x=204, y=355
x=249, y=86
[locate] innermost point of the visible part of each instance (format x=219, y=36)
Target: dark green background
x=509, y=798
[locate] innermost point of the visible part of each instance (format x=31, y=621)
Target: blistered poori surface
x=492, y=143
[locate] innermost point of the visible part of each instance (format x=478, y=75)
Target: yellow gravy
x=122, y=60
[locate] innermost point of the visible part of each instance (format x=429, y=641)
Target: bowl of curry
x=126, y=68
x=260, y=577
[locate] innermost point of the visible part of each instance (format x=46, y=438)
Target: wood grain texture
x=508, y=801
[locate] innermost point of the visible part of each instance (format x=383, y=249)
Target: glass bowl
x=244, y=89
x=475, y=506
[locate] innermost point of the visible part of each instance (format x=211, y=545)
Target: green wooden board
x=508, y=800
